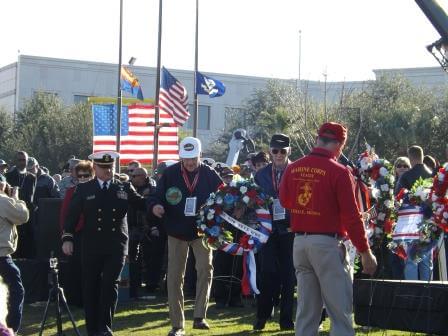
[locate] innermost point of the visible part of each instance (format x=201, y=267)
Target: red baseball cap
x=334, y=131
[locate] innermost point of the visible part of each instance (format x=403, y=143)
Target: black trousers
x=276, y=270
x=100, y=290
x=227, y=276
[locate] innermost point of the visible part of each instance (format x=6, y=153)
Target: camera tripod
x=56, y=294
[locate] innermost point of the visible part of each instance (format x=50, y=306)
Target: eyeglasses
x=402, y=166
x=276, y=151
x=83, y=175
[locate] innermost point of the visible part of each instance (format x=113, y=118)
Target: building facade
x=74, y=81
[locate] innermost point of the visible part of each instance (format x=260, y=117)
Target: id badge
x=190, y=206
x=278, y=211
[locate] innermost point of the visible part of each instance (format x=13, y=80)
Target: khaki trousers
x=323, y=277
x=177, y=260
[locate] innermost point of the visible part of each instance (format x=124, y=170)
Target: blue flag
x=130, y=83
x=208, y=86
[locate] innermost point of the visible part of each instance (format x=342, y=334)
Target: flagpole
x=156, y=112
x=117, y=164
x=196, y=103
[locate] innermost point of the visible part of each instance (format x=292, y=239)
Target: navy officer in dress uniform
x=104, y=203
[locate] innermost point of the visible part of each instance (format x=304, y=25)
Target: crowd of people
x=107, y=218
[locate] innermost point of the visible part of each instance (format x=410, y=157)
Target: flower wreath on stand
x=439, y=199
x=416, y=231
x=378, y=174
x=243, y=205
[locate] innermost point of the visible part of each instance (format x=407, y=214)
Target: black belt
x=329, y=234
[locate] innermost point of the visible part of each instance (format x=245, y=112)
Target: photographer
x=12, y=212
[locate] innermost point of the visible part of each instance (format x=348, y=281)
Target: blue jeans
x=11, y=277
x=421, y=270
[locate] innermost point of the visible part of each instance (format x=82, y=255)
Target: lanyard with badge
x=278, y=212
x=190, y=202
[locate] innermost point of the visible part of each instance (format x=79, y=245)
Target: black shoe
x=220, y=305
x=259, y=324
x=176, y=332
x=200, y=323
x=287, y=325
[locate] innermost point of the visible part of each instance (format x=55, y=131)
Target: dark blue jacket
x=172, y=193
x=264, y=179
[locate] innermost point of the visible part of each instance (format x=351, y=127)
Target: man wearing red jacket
x=319, y=192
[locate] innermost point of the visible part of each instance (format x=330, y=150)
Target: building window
x=203, y=117
x=80, y=99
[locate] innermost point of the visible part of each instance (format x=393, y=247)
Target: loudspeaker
x=416, y=306
x=48, y=231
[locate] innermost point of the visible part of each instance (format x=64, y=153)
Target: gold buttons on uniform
x=113, y=219
x=113, y=229
x=99, y=229
x=99, y=219
x=99, y=210
x=113, y=210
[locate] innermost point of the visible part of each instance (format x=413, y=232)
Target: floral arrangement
x=421, y=197
x=378, y=174
x=243, y=200
x=439, y=199
x=243, y=205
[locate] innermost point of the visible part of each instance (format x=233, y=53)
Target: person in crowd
x=13, y=212
x=245, y=172
x=46, y=186
x=182, y=189
x=418, y=169
x=4, y=330
x=147, y=239
x=57, y=178
x=422, y=269
x=396, y=264
x=431, y=163
x=260, y=160
x=161, y=168
x=226, y=174
x=73, y=285
x=26, y=182
x=227, y=267
x=70, y=180
x=208, y=161
x=401, y=166
x=319, y=192
x=3, y=167
x=132, y=166
x=275, y=258
x=104, y=203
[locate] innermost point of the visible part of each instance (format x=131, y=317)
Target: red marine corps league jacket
x=319, y=192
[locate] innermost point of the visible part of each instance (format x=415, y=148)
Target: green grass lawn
x=150, y=318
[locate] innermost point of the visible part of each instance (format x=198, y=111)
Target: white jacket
x=12, y=213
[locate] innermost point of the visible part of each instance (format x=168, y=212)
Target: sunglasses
x=83, y=175
x=281, y=151
x=402, y=166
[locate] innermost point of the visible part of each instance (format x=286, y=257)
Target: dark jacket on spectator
x=408, y=179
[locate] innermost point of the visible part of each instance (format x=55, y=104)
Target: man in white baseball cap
x=181, y=191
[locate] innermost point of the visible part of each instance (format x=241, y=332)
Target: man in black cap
x=104, y=203
x=275, y=258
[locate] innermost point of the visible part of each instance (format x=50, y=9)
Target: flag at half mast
x=173, y=98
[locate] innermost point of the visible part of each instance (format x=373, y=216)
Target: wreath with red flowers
x=242, y=205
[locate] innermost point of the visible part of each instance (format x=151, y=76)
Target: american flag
x=173, y=98
x=137, y=138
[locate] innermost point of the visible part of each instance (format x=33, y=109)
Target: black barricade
x=48, y=232
x=416, y=306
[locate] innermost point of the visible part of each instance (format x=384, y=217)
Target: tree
x=52, y=132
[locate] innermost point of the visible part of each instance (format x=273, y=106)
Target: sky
x=344, y=39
